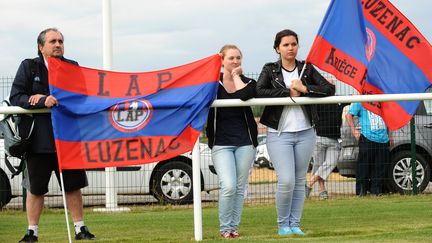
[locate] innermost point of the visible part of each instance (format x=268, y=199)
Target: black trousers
x=372, y=165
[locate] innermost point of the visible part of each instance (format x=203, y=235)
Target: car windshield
x=428, y=103
x=428, y=106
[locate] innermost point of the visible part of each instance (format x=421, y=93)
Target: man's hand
x=34, y=99
x=356, y=133
x=355, y=130
x=50, y=101
x=391, y=139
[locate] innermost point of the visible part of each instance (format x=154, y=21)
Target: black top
x=329, y=120
x=233, y=126
x=32, y=78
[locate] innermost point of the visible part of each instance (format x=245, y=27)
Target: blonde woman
x=232, y=136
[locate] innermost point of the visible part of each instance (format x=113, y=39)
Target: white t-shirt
x=293, y=119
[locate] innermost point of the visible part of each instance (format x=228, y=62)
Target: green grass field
x=371, y=219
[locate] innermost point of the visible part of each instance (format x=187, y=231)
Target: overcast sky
x=152, y=35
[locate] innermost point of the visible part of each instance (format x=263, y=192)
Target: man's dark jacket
x=31, y=79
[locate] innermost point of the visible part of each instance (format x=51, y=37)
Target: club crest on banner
x=371, y=44
x=130, y=115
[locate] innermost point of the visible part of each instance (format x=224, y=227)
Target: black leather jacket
x=27, y=84
x=271, y=84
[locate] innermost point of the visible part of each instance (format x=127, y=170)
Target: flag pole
x=63, y=192
x=65, y=206
x=196, y=178
x=303, y=70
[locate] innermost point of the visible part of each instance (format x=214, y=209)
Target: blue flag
x=373, y=47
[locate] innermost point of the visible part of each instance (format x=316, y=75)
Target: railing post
x=413, y=157
x=196, y=178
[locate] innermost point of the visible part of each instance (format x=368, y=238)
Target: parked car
x=399, y=172
x=169, y=181
x=262, y=158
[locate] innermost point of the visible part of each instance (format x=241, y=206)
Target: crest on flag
x=130, y=115
x=371, y=44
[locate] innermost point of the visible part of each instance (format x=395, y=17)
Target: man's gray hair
x=41, y=37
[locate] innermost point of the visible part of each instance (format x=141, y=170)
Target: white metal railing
x=324, y=100
x=255, y=102
x=276, y=101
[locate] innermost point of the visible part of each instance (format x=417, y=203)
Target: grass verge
x=372, y=219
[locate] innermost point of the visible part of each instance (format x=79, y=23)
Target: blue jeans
x=290, y=153
x=232, y=165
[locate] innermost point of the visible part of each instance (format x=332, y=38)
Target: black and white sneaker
x=29, y=237
x=323, y=195
x=85, y=234
x=308, y=191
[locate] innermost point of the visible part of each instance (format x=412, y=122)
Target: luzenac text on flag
x=109, y=119
x=373, y=47
x=399, y=61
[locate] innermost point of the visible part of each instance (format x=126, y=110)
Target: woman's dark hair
x=281, y=34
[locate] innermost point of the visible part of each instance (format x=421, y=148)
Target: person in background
x=327, y=144
x=232, y=137
x=290, y=133
x=374, y=154
x=30, y=91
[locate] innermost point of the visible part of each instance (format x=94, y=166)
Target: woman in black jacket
x=290, y=132
x=232, y=136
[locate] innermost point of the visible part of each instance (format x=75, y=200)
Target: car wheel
x=262, y=162
x=5, y=189
x=401, y=172
x=173, y=183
